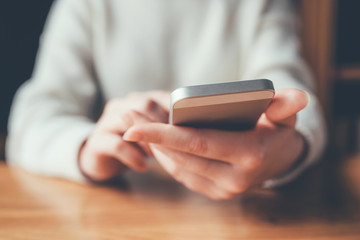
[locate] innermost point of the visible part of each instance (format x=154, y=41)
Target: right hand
x=104, y=154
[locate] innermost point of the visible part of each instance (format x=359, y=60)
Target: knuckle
x=197, y=144
x=149, y=105
x=129, y=117
x=239, y=187
x=234, y=184
x=161, y=137
x=220, y=195
x=118, y=145
x=226, y=195
x=252, y=162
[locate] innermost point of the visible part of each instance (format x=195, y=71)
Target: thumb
x=286, y=103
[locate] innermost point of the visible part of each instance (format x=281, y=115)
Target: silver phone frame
x=220, y=93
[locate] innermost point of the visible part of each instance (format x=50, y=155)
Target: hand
x=104, y=154
x=223, y=164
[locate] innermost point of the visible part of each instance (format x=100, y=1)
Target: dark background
x=347, y=50
x=21, y=23
x=346, y=100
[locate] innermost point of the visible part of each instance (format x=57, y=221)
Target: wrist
x=300, y=156
x=295, y=163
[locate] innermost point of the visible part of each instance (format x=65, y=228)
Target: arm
x=52, y=125
x=223, y=164
x=52, y=113
x=271, y=50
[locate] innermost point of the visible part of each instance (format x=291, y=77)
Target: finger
x=130, y=118
x=153, y=110
x=207, y=143
x=204, y=186
x=163, y=98
x=190, y=180
x=265, y=121
x=221, y=173
x=113, y=146
x=119, y=116
x=100, y=168
x=118, y=124
x=285, y=105
x=152, y=104
x=208, y=168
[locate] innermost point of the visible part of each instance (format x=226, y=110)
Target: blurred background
x=21, y=23
x=330, y=38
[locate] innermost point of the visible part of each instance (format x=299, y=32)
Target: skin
x=218, y=164
x=105, y=154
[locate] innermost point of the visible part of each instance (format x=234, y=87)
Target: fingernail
x=132, y=136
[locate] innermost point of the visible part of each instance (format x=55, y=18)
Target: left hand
x=222, y=164
x=104, y=154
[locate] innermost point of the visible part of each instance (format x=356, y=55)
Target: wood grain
x=349, y=73
x=323, y=204
x=318, y=18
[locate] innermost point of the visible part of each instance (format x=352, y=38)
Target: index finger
x=208, y=143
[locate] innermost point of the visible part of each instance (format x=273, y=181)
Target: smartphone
x=226, y=106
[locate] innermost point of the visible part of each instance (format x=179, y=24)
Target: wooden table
x=323, y=204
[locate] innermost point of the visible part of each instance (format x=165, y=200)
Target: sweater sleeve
x=271, y=48
x=51, y=114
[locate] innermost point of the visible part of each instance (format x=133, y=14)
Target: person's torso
x=142, y=45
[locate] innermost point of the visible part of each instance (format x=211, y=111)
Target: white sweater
x=92, y=51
